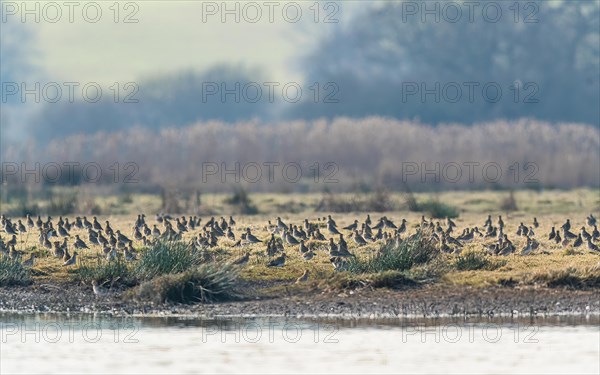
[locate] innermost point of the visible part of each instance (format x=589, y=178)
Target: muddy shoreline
x=427, y=301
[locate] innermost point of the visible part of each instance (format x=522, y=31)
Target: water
x=57, y=343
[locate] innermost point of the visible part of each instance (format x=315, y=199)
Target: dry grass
x=546, y=264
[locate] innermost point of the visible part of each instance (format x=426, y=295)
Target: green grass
x=474, y=260
x=166, y=257
x=12, y=272
x=103, y=271
x=206, y=283
x=412, y=251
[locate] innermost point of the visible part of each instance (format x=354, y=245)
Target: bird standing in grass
x=592, y=246
x=303, y=278
x=243, y=259
x=71, y=261
x=99, y=291
x=277, y=262
x=79, y=244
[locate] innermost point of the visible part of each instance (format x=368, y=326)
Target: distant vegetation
x=341, y=155
x=545, y=60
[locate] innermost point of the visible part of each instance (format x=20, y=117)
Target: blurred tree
x=174, y=100
x=549, y=49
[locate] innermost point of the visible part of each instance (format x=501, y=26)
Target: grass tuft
x=206, y=283
x=473, y=260
x=415, y=250
x=103, y=271
x=391, y=280
x=166, y=257
x=12, y=272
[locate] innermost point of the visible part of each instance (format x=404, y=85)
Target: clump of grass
x=165, y=257
x=341, y=281
x=418, y=249
x=103, y=271
x=430, y=271
x=473, y=260
x=12, y=272
x=584, y=278
x=391, y=279
x=204, y=284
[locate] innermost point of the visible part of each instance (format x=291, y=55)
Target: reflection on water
x=60, y=343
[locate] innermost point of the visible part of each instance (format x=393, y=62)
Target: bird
x=331, y=228
x=62, y=231
x=333, y=248
x=291, y=240
x=303, y=278
x=552, y=234
x=58, y=251
x=566, y=226
x=308, y=255
x=129, y=253
x=79, y=244
x=352, y=226
x=29, y=262
x=96, y=225
x=281, y=225
x=360, y=241
x=13, y=241
x=591, y=246
x=578, y=242
x=528, y=247
x=595, y=233
x=98, y=290
x=121, y=237
x=250, y=238
x=277, y=262
x=243, y=259
x=591, y=220
x=71, y=261
x=303, y=248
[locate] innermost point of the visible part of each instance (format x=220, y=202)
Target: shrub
x=207, y=283
x=12, y=272
x=166, y=257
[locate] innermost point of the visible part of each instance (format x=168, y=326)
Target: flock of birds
x=61, y=236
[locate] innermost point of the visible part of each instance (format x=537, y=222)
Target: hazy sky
x=173, y=35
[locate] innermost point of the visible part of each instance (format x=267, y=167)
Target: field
x=550, y=266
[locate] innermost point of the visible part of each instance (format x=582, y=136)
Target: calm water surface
x=60, y=343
